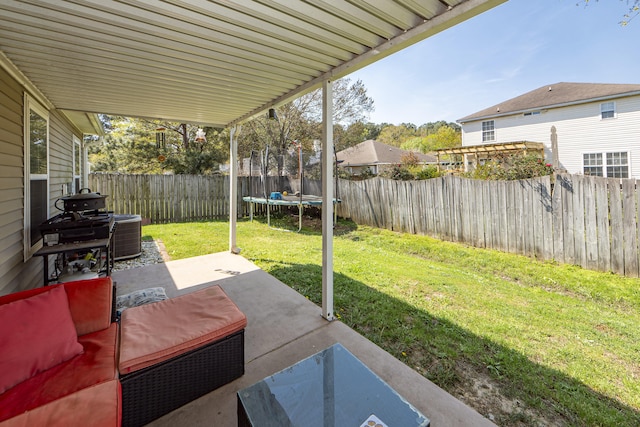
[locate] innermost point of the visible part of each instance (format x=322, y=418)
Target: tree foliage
x=397, y=135
x=443, y=137
x=355, y=133
x=411, y=169
x=301, y=120
x=134, y=145
x=425, y=138
x=511, y=167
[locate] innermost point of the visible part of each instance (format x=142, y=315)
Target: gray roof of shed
x=371, y=152
x=556, y=95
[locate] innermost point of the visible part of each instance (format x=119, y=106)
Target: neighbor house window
x=592, y=164
x=610, y=165
x=618, y=165
x=608, y=110
x=488, y=131
x=36, y=198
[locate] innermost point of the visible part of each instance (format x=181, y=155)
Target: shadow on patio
x=283, y=328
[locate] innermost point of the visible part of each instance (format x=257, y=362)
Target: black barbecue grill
x=80, y=238
x=69, y=227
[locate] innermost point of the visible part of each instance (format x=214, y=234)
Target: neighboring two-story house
x=597, y=127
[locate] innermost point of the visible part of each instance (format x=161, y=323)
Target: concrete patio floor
x=283, y=328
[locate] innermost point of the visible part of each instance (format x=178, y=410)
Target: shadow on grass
x=448, y=354
x=287, y=220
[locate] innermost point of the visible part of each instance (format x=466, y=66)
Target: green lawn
x=561, y=342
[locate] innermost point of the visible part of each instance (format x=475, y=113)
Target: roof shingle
x=373, y=152
x=555, y=95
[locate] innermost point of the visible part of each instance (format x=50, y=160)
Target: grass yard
x=523, y=342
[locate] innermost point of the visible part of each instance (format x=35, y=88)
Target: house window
x=592, y=164
x=488, y=131
x=617, y=165
x=36, y=145
x=610, y=165
x=77, y=162
x=608, y=110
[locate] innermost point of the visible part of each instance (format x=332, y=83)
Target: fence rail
x=574, y=219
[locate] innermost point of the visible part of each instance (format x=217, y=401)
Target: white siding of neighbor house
x=15, y=272
x=579, y=128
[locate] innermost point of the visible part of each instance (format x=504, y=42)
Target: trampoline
x=278, y=199
x=300, y=202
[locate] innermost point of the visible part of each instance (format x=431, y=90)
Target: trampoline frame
x=299, y=201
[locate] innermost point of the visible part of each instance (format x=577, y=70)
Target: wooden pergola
x=475, y=153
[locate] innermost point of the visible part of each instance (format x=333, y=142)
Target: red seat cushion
x=96, y=365
x=96, y=406
x=159, y=331
x=36, y=334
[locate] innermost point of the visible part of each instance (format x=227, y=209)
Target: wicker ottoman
x=177, y=350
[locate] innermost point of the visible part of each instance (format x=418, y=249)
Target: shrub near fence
x=587, y=221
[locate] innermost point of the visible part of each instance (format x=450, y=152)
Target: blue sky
x=516, y=47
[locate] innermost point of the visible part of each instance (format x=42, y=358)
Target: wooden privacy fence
x=181, y=198
x=164, y=198
x=588, y=221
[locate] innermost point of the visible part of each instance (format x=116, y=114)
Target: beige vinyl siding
x=580, y=130
x=15, y=273
x=60, y=158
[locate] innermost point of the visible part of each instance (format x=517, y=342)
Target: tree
x=129, y=147
x=397, y=135
x=432, y=127
x=300, y=121
x=444, y=137
x=201, y=156
x=135, y=145
x=355, y=133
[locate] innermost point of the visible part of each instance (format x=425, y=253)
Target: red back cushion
x=91, y=303
x=36, y=334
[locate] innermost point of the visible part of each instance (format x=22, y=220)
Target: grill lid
x=82, y=201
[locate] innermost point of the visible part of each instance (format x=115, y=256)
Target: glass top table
x=329, y=389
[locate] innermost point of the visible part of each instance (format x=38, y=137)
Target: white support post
x=233, y=189
x=327, y=200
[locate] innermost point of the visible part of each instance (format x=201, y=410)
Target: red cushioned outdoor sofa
x=65, y=362
x=58, y=356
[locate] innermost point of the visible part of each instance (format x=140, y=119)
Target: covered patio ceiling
x=214, y=63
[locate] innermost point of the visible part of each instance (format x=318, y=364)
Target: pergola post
x=233, y=189
x=327, y=200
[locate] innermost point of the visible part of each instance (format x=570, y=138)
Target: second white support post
x=327, y=200
x=233, y=189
